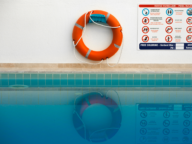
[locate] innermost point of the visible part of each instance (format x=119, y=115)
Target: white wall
x=40, y=31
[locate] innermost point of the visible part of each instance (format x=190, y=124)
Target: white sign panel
x=165, y=27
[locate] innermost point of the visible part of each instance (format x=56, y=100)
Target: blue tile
x=85, y=79
x=12, y=76
x=93, y=79
x=93, y=82
x=180, y=82
x=34, y=76
x=159, y=82
x=85, y=82
x=42, y=82
x=27, y=76
x=151, y=82
x=12, y=82
x=49, y=76
x=107, y=79
x=187, y=82
x=4, y=82
x=136, y=82
x=19, y=79
x=42, y=76
x=130, y=82
x=27, y=82
x=63, y=76
x=93, y=76
x=64, y=82
x=144, y=82
x=122, y=79
x=100, y=80
x=19, y=82
x=107, y=82
x=34, y=80
x=130, y=79
x=49, y=82
x=78, y=79
x=71, y=82
x=173, y=82
x=79, y=82
x=27, y=79
x=122, y=82
x=34, y=83
x=4, y=76
x=56, y=82
x=115, y=80
x=165, y=82
x=166, y=78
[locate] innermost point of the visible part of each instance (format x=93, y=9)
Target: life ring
x=98, y=16
x=96, y=118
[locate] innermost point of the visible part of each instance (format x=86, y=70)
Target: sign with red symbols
x=189, y=38
x=189, y=20
x=145, y=29
x=145, y=20
x=189, y=29
x=164, y=26
x=168, y=29
x=168, y=38
x=169, y=20
x=145, y=38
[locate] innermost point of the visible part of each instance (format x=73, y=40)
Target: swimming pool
x=66, y=108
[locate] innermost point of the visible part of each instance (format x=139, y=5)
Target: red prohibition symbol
x=145, y=38
x=145, y=20
x=168, y=38
x=169, y=20
x=189, y=38
x=189, y=20
x=189, y=29
x=168, y=29
x=145, y=29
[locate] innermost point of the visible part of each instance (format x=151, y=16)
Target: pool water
x=95, y=108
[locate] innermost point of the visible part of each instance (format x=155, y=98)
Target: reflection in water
x=97, y=117
x=163, y=123
x=54, y=115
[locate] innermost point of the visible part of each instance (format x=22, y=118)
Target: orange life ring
x=98, y=55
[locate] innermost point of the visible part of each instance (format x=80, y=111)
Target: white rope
x=119, y=55
x=78, y=42
x=82, y=36
x=82, y=32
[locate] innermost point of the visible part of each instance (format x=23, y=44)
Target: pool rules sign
x=165, y=27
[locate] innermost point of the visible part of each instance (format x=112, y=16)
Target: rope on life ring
x=94, y=17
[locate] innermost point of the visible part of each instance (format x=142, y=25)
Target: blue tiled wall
x=96, y=80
